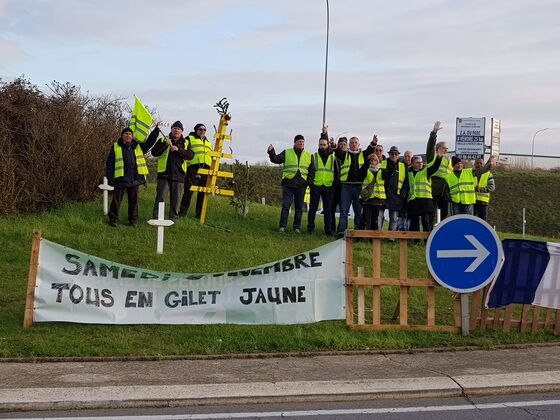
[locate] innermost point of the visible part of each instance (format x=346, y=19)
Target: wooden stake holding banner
x=214, y=171
x=32, y=279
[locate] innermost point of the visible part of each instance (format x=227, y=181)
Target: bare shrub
x=54, y=145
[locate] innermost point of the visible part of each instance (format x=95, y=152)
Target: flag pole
x=326, y=67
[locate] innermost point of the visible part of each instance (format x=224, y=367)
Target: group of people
x=342, y=175
x=178, y=160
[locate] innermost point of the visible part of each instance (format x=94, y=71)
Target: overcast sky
x=394, y=67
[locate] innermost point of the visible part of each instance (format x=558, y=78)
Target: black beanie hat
x=196, y=127
x=178, y=124
x=298, y=137
x=124, y=130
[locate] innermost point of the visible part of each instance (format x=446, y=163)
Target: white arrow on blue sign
x=464, y=253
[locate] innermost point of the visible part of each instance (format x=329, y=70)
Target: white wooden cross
x=106, y=188
x=161, y=223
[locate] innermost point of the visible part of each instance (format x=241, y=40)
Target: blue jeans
x=350, y=195
x=289, y=195
x=459, y=208
x=325, y=194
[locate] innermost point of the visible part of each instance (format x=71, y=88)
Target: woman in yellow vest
x=126, y=170
x=460, y=186
x=201, y=146
x=373, y=193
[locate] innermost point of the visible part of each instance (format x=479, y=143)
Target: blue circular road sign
x=464, y=253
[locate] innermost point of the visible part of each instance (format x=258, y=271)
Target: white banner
x=77, y=287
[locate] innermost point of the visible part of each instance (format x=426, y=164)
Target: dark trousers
x=132, y=197
x=292, y=195
x=175, y=188
x=426, y=222
x=350, y=195
x=191, y=179
x=443, y=205
x=459, y=208
x=370, y=216
x=481, y=210
x=320, y=193
x=335, y=202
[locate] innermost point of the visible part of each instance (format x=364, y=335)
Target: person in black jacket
x=126, y=170
x=172, y=153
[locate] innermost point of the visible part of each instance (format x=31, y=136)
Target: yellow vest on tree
x=141, y=166
x=324, y=173
x=200, y=148
x=292, y=164
x=462, y=189
x=420, y=186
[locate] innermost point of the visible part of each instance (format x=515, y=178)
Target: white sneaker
x=282, y=230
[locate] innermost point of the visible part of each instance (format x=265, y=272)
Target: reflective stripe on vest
x=345, y=168
x=402, y=174
x=292, y=164
x=141, y=166
x=462, y=189
x=420, y=185
x=445, y=167
x=162, y=160
x=324, y=173
x=482, y=183
x=200, y=148
x=378, y=187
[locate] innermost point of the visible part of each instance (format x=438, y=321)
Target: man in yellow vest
x=484, y=186
x=395, y=179
x=460, y=185
x=172, y=152
x=351, y=178
x=326, y=171
x=201, y=146
x=126, y=170
x=297, y=173
x=434, y=149
x=419, y=205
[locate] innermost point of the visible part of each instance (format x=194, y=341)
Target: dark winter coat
x=131, y=177
x=174, y=168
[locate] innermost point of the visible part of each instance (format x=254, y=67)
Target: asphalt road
x=506, y=407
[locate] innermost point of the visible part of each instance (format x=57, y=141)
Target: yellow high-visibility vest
x=324, y=173
x=462, y=189
x=402, y=174
x=162, y=160
x=292, y=164
x=345, y=168
x=141, y=166
x=200, y=148
x=378, y=187
x=419, y=186
x=482, y=183
x=445, y=167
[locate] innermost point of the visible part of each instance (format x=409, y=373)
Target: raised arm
x=430, y=146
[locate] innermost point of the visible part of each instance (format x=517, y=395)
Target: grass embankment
x=226, y=242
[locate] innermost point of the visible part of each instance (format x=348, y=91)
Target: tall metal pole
x=533, y=146
x=326, y=66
